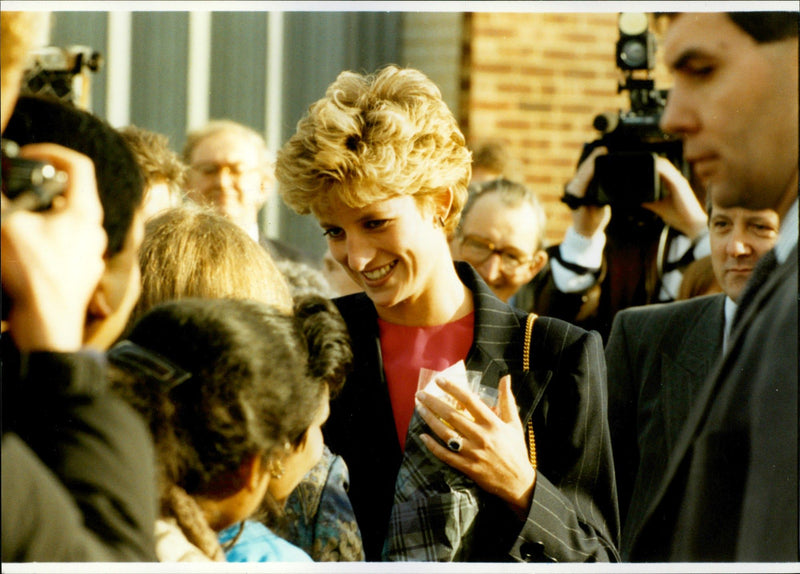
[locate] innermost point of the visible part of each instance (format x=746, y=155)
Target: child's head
x=231, y=391
x=189, y=251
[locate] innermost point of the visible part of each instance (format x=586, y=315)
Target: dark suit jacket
x=658, y=357
x=573, y=516
x=78, y=476
x=730, y=490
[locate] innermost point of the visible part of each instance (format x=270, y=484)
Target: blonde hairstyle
x=512, y=194
x=373, y=137
x=189, y=251
x=19, y=33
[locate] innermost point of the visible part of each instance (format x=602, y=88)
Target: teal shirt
x=258, y=543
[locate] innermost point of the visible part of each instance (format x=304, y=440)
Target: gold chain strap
x=526, y=364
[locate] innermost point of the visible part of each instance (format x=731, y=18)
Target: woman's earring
x=441, y=222
x=276, y=468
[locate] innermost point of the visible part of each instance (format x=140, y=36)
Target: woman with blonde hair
x=192, y=252
x=438, y=474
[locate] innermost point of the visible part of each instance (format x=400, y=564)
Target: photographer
x=610, y=262
x=636, y=221
x=77, y=470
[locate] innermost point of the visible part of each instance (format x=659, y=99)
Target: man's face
x=739, y=237
x=226, y=172
x=735, y=104
x=118, y=291
x=501, y=242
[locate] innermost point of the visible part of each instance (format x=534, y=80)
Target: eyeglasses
x=212, y=168
x=476, y=250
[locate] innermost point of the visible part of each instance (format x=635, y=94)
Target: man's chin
x=735, y=289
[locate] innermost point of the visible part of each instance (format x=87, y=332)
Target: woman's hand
x=493, y=452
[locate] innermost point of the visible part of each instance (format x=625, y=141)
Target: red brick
x=537, y=81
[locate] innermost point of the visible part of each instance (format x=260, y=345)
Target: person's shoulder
x=172, y=544
x=668, y=324
x=354, y=304
x=553, y=336
x=257, y=543
x=661, y=311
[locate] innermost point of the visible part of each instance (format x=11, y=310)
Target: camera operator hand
x=588, y=219
x=52, y=260
x=680, y=208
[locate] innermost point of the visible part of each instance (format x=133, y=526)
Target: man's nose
x=738, y=245
x=491, y=269
x=678, y=118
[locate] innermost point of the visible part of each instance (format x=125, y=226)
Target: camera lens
x=633, y=54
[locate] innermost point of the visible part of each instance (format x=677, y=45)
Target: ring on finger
x=455, y=443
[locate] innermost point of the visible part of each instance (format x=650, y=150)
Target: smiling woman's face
x=390, y=248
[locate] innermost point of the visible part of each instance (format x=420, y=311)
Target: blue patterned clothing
x=318, y=516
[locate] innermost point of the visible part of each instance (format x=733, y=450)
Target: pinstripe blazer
x=658, y=357
x=573, y=515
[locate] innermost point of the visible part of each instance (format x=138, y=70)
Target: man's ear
x=537, y=263
x=99, y=305
x=266, y=188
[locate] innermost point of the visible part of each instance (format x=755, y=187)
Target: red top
x=408, y=349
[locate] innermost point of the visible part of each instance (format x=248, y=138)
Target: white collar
x=788, y=236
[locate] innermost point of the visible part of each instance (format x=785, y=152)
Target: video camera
x=63, y=73
x=626, y=177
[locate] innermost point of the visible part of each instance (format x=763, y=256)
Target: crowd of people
x=180, y=386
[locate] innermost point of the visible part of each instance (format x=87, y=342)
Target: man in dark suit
x=658, y=357
x=729, y=491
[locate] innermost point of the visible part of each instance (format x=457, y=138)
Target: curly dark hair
x=246, y=379
x=327, y=339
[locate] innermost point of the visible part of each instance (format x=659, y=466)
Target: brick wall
x=535, y=82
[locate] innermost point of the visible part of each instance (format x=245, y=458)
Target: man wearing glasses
x=231, y=171
x=501, y=235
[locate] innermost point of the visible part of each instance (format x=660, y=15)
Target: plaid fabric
x=573, y=514
x=435, y=507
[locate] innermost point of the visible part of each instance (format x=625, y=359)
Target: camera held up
x=32, y=184
x=626, y=177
